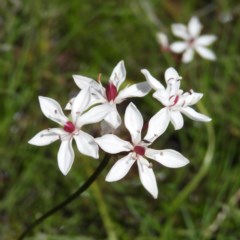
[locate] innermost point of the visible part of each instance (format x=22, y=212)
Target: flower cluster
x=96, y=103
x=191, y=41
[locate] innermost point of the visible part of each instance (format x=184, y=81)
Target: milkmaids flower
x=138, y=151
x=192, y=41
x=71, y=128
x=111, y=95
x=162, y=39
x=175, y=102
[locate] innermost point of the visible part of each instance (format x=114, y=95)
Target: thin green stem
x=72, y=197
x=203, y=170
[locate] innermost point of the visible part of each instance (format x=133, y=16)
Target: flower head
x=175, y=103
x=137, y=151
x=70, y=128
x=192, y=41
x=162, y=39
x=111, y=95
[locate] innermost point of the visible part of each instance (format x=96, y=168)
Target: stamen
x=99, y=77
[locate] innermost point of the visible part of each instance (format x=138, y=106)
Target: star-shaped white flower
x=111, y=95
x=138, y=151
x=192, y=41
x=176, y=103
x=71, y=128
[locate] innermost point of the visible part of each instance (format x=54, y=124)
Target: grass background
x=43, y=43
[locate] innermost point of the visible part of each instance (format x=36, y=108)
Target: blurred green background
x=42, y=44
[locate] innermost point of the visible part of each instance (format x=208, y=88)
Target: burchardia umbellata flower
x=137, y=151
x=175, y=103
x=111, y=95
x=192, y=41
x=70, y=128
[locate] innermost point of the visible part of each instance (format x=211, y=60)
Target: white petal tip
x=177, y=128
x=108, y=179
x=96, y=156
x=30, y=142
x=171, y=73
x=204, y=118
x=208, y=120
x=67, y=108
x=144, y=71
x=41, y=98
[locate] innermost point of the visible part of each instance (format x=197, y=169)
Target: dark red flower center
x=191, y=41
x=69, y=127
x=111, y=92
x=139, y=150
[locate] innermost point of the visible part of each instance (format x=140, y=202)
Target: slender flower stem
x=204, y=168
x=72, y=197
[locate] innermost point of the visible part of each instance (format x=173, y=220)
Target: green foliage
x=50, y=41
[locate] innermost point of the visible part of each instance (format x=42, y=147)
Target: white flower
x=162, y=39
x=192, y=41
x=71, y=128
x=111, y=95
x=176, y=103
x=137, y=151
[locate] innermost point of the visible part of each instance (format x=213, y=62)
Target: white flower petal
x=83, y=82
x=168, y=157
x=172, y=79
x=171, y=73
x=147, y=176
x=206, y=53
x=69, y=104
x=118, y=74
x=192, y=98
x=194, y=115
x=136, y=90
x=95, y=114
x=110, y=143
x=86, y=144
x=52, y=110
x=134, y=122
x=176, y=119
x=157, y=125
x=47, y=136
x=178, y=47
x=180, y=30
x=120, y=168
x=113, y=118
x=188, y=55
x=205, y=40
x=194, y=27
x=162, y=96
x=162, y=39
x=80, y=103
x=65, y=156
x=98, y=95
x=153, y=82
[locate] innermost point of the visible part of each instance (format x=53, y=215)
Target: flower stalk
x=68, y=200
